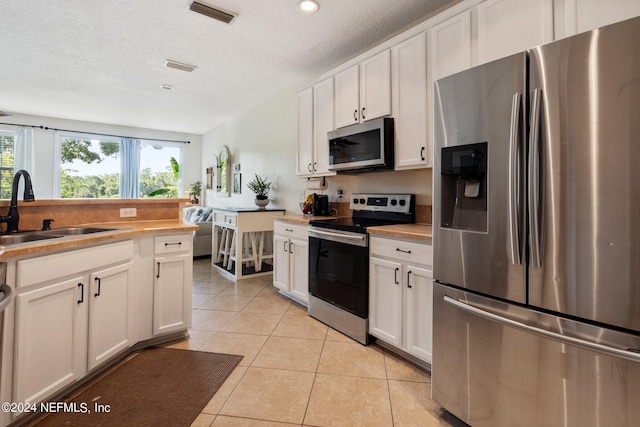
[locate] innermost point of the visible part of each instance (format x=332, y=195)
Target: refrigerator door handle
x=629, y=354
x=534, y=180
x=514, y=180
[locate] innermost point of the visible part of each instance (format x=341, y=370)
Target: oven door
x=339, y=269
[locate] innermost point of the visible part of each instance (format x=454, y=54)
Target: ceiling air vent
x=179, y=66
x=211, y=12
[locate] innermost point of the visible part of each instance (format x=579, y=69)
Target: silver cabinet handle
x=588, y=345
x=534, y=180
x=514, y=180
x=285, y=246
x=8, y=293
x=346, y=236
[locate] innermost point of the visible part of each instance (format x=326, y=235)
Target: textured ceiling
x=103, y=61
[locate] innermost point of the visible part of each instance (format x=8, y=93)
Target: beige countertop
x=420, y=232
x=302, y=219
x=125, y=230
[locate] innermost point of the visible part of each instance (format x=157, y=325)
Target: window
x=159, y=170
x=6, y=163
x=90, y=167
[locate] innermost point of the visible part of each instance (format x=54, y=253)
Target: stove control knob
x=394, y=202
x=362, y=201
x=402, y=202
x=355, y=201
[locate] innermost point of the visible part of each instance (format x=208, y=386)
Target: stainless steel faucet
x=13, y=217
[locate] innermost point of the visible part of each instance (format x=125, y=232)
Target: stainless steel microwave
x=362, y=147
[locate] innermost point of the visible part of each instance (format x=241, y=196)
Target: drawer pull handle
x=81, y=300
x=289, y=230
x=97, y=294
x=175, y=243
x=403, y=251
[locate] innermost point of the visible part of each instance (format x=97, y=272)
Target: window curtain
x=130, y=168
x=24, y=152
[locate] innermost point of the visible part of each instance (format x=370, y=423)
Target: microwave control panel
x=401, y=203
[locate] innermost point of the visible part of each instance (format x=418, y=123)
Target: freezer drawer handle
x=514, y=180
x=588, y=345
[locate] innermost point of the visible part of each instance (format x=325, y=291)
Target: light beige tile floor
x=296, y=371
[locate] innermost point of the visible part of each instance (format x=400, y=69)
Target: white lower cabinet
x=68, y=325
x=171, y=298
x=400, y=295
x=291, y=260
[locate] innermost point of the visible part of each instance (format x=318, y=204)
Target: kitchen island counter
x=125, y=230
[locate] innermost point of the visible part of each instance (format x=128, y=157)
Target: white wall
x=45, y=144
x=264, y=141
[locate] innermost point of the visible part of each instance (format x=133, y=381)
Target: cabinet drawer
x=173, y=243
x=420, y=253
x=50, y=267
x=225, y=218
x=286, y=229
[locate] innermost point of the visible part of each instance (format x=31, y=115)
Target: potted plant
x=261, y=187
x=194, y=192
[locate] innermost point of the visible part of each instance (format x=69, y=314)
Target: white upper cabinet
x=585, y=15
x=506, y=27
x=305, y=132
x=322, y=123
x=409, y=84
x=450, y=46
x=375, y=86
x=363, y=91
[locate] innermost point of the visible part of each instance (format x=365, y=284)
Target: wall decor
x=237, y=183
x=209, y=178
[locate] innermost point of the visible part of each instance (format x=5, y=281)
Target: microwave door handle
x=514, y=180
x=534, y=180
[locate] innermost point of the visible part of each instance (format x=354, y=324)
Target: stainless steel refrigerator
x=536, y=316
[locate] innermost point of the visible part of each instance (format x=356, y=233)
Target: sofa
x=202, y=216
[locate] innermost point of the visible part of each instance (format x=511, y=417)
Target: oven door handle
x=356, y=239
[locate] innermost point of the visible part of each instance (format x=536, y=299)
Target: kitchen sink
x=55, y=233
x=13, y=239
x=74, y=231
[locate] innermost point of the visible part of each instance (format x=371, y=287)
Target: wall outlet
x=127, y=212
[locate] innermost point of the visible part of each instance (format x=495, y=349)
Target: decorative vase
x=261, y=203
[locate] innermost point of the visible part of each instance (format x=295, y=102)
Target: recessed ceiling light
x=167, y=87
x=308, y=6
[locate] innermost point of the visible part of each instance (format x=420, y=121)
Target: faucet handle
x=46, y=224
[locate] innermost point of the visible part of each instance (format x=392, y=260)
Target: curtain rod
x=95, y=133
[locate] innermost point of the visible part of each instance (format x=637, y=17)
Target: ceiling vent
x=212, y=12
x=3, y=114
x=179, y=66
